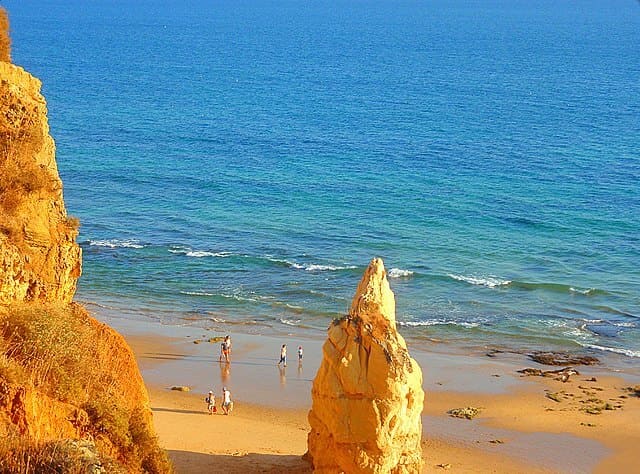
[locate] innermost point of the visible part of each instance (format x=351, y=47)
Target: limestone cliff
x=39, y=258
x=66, y=377
x=68, y=383
x=367, y=395
x=5, y=41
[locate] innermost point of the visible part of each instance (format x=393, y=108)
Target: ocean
x=236, y=164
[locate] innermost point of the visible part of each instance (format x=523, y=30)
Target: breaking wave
x=586, y=292
x=399, y=273
x=627, y=352
x=198, y=253
x=197, y=293
x=439, y=322
x=489, y=282
x=310, y=267
x=117, y=243
x=495, y=282
x=290, y=322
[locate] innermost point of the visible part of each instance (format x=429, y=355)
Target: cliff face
x=367, y=395
x=39, y=258
x=66, y=377
x=66, y=380
x=5, y=41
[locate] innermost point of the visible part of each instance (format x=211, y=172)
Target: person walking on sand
x=211, y=402
x=300, y=354
x=283, y=355
x=224, y=350
x=227, y=404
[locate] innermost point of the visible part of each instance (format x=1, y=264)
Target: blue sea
x=236, y=164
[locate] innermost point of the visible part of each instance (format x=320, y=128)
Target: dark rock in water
x=562, y=358
x=607, y=330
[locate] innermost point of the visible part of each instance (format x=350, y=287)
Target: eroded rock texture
x=367, y=395
x=39, y=258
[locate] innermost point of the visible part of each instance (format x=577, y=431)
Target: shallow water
x=240, y=163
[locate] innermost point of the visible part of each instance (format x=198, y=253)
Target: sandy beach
x=525, y=424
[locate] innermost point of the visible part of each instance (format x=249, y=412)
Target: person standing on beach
x=227, y=404
x=225, y=349
x=299, y=354
x=283, y=355
x=211, y=402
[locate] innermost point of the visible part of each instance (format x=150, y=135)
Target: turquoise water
x=239, y=163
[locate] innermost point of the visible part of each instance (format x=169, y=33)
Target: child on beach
x=283, y=355
x=211, y=402
x=300, y=354
x=227, y=404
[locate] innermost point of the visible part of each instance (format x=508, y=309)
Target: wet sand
x=519, y=428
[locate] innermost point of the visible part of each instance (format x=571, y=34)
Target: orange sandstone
x=64, y=376
x=367, y=395
x=5, y=41
x=39, y=258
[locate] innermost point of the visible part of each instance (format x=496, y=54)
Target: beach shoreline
x=519, y=429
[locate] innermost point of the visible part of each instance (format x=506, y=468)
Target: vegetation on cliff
x=64, y=373
x=71, y=395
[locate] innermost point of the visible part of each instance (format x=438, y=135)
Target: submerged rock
x=562, y=358
x=367, y=395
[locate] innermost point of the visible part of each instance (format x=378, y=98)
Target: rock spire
x=367, y=395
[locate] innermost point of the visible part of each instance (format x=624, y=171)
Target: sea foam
x=117, y=243
x=310, y=267
x=399, y=273
x=198, y=253
x=290, y=322
x=439, y=322
x=489, y=282
x=627, y=352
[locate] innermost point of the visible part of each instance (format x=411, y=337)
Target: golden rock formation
x=5, y=40
x=39, y=258
x=66, y=380
x=66, y=377
x=367, y=395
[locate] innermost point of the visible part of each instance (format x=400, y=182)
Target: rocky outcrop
x=39, y=258
x=5, y=41
x=65, y=378
x=367, y=395
x=38, y=416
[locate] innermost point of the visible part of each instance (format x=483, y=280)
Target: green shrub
x=20, y=455
x=57, y=350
